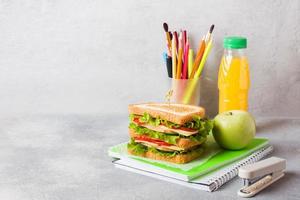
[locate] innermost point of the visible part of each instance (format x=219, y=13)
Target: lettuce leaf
x=169, y=138
x=198, y=123
x=136, y=147
x=203, y=125
x=163, y=153
x=140, y=149
x=146, y=118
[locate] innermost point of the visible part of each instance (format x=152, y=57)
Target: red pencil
x=184, y=37
x=185, y=64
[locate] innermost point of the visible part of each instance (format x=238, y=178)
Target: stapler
x=260, y=175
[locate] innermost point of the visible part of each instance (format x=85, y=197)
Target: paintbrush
x=208, y=35
x=166, y=28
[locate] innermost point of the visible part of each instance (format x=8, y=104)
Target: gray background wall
x=97, y=56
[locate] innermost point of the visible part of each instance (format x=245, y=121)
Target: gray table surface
x=65, y=157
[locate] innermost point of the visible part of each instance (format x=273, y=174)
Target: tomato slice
x=137, y=121
x=156, y=141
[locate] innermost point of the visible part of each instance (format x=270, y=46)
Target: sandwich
x=168, y=132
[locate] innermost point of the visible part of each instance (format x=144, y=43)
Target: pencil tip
x=175, y=34
x=211, y=28
x=165, y=25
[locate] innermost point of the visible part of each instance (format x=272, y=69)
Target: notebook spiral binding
x=228, y=174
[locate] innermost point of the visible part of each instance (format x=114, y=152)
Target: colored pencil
x=180, y=60
x=185, y=60
x=180, y=51
x=184, y=37
x=198, y=57
x=176, y=39
x=174, y=57
x=206, y=52
x=190, y=62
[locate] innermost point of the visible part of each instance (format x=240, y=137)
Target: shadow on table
x=270, y=124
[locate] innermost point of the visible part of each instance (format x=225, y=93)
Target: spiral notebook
x=208, y=182
x=207, y=174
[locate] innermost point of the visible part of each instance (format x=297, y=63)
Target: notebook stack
x=216, y=166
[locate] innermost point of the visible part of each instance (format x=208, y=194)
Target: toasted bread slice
x=179, y=158
x=176, y=113
x=184, y=143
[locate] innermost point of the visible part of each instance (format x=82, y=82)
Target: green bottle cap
x=234, y=42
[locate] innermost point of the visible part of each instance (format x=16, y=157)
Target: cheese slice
x=165, y=129
x=160, y=147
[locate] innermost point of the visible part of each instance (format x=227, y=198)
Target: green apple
x=234, y=129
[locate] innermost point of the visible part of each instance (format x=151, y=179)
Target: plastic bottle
x=234, y=77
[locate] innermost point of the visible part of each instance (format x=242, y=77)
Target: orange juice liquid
x=233, y=83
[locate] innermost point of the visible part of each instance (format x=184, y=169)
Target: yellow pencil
x=174, y=58
x=204, y=58
x=190, y=62
x=179, y=64
x=191, y=89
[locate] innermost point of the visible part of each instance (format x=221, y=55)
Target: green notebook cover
x=215, y=159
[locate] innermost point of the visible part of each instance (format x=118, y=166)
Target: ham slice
x=160, y=147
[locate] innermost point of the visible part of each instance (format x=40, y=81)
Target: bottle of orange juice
x=234, y=78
